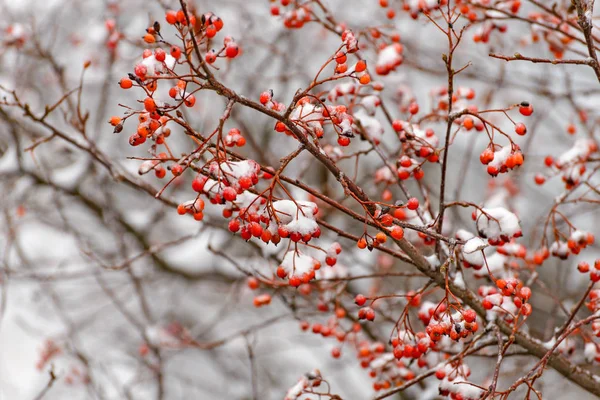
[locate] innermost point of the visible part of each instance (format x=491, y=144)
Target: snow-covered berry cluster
x=497, y=225
x=502, y=160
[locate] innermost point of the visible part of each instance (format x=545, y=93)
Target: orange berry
x=397, y=232
x=360, y=66
x=468, y=123
x=149, y=104
x=114, y=121
x=365, y=79
x=171, y=17
x=381, y=237
x=125, y=83
x=362, y=243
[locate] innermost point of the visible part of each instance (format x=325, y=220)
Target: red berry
x=253, y=283
x=583, y=267
x=230, y=194
x=413, y=108
x=176, y=169
x=487, y=304
x=526, y=309
x=343, y=141
x=520, y=129
x=256, y=229
x=232, y=50
x=198, y=184
x=539, y=179
x=336, y=352
x=160, y=54
x=175, y=52
x=210, y=57
x=360, y=300
x=360, y=66
x=234, y=225
x=190, y=100
x=413, y=203
x=295, y=282
x=171, y=17
x=526, y=109
x=265, y=97
x=397, y=125
x=470, y=315
x=397, y=232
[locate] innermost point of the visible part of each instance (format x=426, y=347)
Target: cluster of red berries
x=584, y=268
x=577, y=241
x=299, y=268
x=407, y=166
x=178, y=92
x=460, y=96
x=194, y=207
x=159, y=62
x=252, y=227
x=556, y=40
x=497, y=298
x=486, y=29
x=571, y=164
x=266, y=99
x=416, y=142
x=440, y=323
x=230, y=50
x=294, y=18
x=388, y=58
x=414, y=8
x=503, y=160
x=333, y=329
x=594, y=306
x=234, y=138
x=114, y=36
x=453, y=377
x=386, y=371
x=260, y=300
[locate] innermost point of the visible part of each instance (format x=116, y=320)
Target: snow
x=296, y=390
x=382, y=360
x=434, y=261
x=147, y=166
x=472, y=250
x=370, y=103
x=342, y=89
x=235, y=169
x=500, y=156
x=495, y=262
x=459, y=281
x=559, y=249
x=493, y=223
x=155, y=67
x=298, y=264
x=580, y=151
x=590, y=351
x=371, y=125
x=388, y=58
